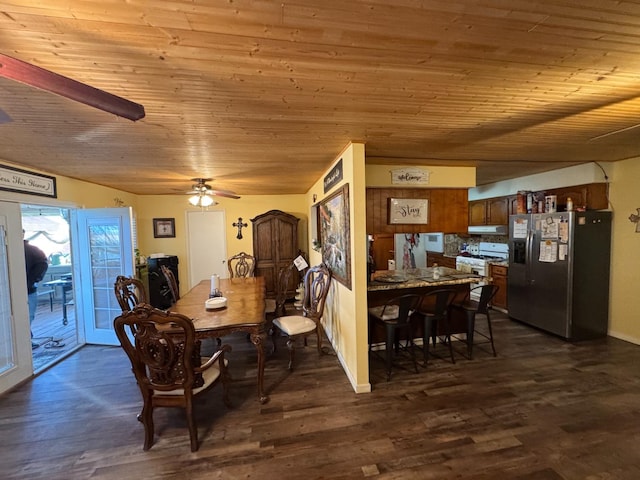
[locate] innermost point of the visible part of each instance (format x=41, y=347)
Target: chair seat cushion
x=209, y=376
x=390, y=313
x=295, y=324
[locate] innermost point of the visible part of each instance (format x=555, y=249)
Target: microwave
x=434, y=242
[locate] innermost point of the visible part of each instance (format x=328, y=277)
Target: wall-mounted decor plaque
x=408, y=210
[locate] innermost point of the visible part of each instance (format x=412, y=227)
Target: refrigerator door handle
x=529, y=253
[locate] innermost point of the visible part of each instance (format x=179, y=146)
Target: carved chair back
x=171, y=281
x=129, y=292
x=241, y=265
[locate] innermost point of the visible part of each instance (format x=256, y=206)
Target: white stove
x=478, y=263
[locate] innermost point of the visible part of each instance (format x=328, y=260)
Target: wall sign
x=408, y=210
x=410, y=176
x=22, y=181
x=333, y=177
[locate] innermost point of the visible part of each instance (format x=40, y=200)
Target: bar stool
x=395, y=315
x=471, y=309
x=434, y=309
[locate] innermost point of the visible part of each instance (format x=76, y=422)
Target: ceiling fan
x=35, y=76
x=202, y=192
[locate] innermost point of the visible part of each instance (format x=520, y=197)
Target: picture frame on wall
x=164, y=228
x=335, y=235
x=408, y=211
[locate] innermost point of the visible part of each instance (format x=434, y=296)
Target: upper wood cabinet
x=447, y=210
x=275, y=245
x=496, y=210
x=478, y=212
x=492, y=211
x=592, y=195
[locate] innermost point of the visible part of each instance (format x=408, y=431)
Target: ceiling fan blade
x=80, y=92
x=223, y=193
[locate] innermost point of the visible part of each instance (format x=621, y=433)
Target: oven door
x=481, y=271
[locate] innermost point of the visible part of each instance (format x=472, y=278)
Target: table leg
x=258, y=340
x=64, y=305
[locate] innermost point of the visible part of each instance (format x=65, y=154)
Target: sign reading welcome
x=410, y=176
x=22, y=181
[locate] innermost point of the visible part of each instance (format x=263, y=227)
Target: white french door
x=103, y=249
x=15, y=340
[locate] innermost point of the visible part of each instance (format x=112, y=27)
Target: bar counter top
x=419, y=277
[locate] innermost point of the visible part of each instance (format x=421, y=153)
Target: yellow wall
x=624, y=319
x=345, y=318
x=247, y=207
x=439, y=177
x=73, y=192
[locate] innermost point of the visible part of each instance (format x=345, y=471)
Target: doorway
x=207, y=246
x=55, y=328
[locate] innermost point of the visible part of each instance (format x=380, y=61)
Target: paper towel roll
x=215, y=283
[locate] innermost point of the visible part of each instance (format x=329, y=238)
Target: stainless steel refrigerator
x=558, y=276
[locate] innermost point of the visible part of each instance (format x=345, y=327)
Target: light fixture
x=202, y=200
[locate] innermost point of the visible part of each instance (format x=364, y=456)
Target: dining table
x=244, y=312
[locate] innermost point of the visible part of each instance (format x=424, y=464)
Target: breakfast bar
x=388, y=284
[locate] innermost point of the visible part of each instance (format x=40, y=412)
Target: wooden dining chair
x=165, y=359
x=317, y=281
x=171, y=282
x=275, y=307
x=241, y=265
x=130, y=292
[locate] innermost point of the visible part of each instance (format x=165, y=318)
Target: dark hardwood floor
x=543, y=409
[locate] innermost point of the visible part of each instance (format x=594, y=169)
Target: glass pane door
x=7, y=358
x=105, y=249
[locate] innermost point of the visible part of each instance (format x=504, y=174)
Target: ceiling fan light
x=206, y=201
x=194, y=200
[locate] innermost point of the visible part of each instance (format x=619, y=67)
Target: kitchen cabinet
x=498, y=274
x=592, y=195
x=441, y=260
x=275, y=245
x=490, y=211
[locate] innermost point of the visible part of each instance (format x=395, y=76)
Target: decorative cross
x=239, y=224
x=635, y=218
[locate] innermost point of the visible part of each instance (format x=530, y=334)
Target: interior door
x=104, y=250
x=207, y=246
x=15, y=345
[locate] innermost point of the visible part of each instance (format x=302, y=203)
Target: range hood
x=487, y=230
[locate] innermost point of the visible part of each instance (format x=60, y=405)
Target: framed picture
x=164, y=228
x=408, y=210
x=333, y=214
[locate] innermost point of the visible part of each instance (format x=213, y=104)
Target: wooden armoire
x=275, y=245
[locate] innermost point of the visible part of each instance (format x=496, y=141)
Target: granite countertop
x=419, y=277
x=500, y=263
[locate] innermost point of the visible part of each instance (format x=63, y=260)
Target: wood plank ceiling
x=261, y=95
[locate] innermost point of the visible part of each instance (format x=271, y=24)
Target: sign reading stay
x=21, y=181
